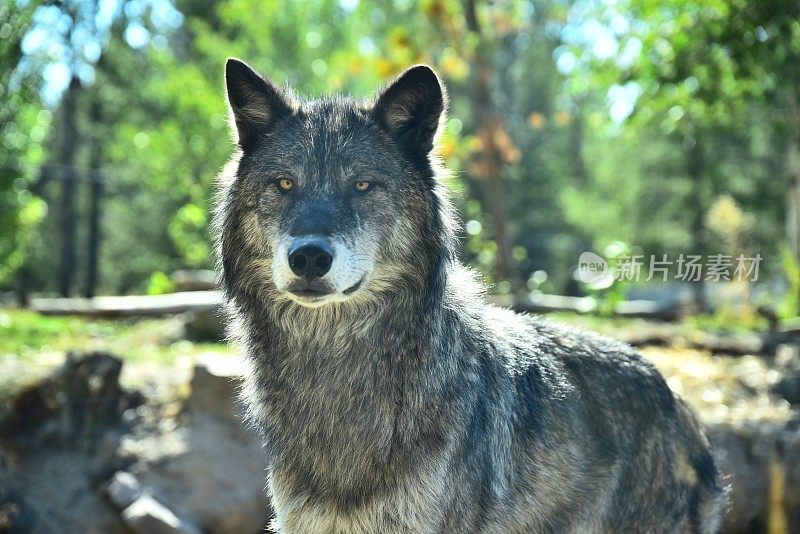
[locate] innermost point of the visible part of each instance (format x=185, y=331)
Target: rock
x=218, y=481
x=787, y=363
x=58, y=491
x=214, y=385
x=760, y=463
x=211, y=468
x=746, y=477
x=124, y=489
x=80, y=400
x=58, y=441
x=789, y=450
x=204, y=325
x=148, y=516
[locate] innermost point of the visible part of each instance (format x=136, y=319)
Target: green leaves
x=24, y=127
x=599, y=108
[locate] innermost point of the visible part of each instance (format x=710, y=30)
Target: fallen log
x=546, y=303
x=130, y=305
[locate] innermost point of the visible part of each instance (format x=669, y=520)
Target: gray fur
x=409, y=405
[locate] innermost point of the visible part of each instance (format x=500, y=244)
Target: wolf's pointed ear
x=256, y=103
x=411, y=108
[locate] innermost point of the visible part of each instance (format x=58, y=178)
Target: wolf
x=390, y=397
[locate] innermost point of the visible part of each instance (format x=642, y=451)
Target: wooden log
x=130, y=306
x=544, y=303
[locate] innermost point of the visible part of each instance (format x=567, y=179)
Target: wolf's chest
x=319, y=403
x=390, y=496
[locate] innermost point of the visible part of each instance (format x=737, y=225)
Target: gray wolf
x=390, y=397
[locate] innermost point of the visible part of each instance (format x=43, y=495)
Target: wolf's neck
x=344, y=350
x=371, y=330
x=355, y=394
x=410, y=315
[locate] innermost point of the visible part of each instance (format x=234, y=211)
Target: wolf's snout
x=313, y=270
x=310, y=258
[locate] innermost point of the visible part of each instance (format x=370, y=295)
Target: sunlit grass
x=26, y=334
x=596, y=323
x=727, y=321
x=32, y=344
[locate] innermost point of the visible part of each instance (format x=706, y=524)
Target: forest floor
x=750, y=403
x=720, y=386
x=31, y=345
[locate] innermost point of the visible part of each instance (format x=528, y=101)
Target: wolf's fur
x=409, y=405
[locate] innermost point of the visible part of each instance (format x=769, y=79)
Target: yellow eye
x=362, y=186
x=285, y=184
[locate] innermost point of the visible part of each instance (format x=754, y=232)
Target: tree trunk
x=696, y=168
x=490, y=164
x=793, y=168
x=69, y=183
x=93, y=266
x=576, y=136
x=793, y=199
x=95, y=199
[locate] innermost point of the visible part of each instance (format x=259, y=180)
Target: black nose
x=310, y=258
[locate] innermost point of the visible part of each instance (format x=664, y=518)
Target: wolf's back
x=659, y=473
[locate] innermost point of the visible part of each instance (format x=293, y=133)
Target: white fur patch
x=350, y=266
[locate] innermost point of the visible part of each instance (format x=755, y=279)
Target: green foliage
x=707, y=82
x=24, y=125
x=160, y=284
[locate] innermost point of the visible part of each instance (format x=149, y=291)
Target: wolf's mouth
x=352, y=289
x=310, y=293
x=316, y=295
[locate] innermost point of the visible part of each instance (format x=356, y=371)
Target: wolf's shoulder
x=560, y=373
x=546, y=338
x=577, y=347
x=534, y=347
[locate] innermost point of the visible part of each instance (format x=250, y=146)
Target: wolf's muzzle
x=310, y=257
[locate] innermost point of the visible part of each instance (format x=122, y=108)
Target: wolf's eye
x=285, y=185
x=362, y=186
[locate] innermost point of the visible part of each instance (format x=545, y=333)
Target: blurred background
x=582, y=135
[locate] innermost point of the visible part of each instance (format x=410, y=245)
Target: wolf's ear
x=256, y=104
x=411, y=108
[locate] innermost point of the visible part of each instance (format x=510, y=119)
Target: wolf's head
x=332, y=200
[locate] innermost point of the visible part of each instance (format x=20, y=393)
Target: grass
x=724, y=321
x=27, y=334
x=592, y=322
x=727, y=322
x=31, y=344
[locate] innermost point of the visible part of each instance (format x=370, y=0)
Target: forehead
x=328, y=141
